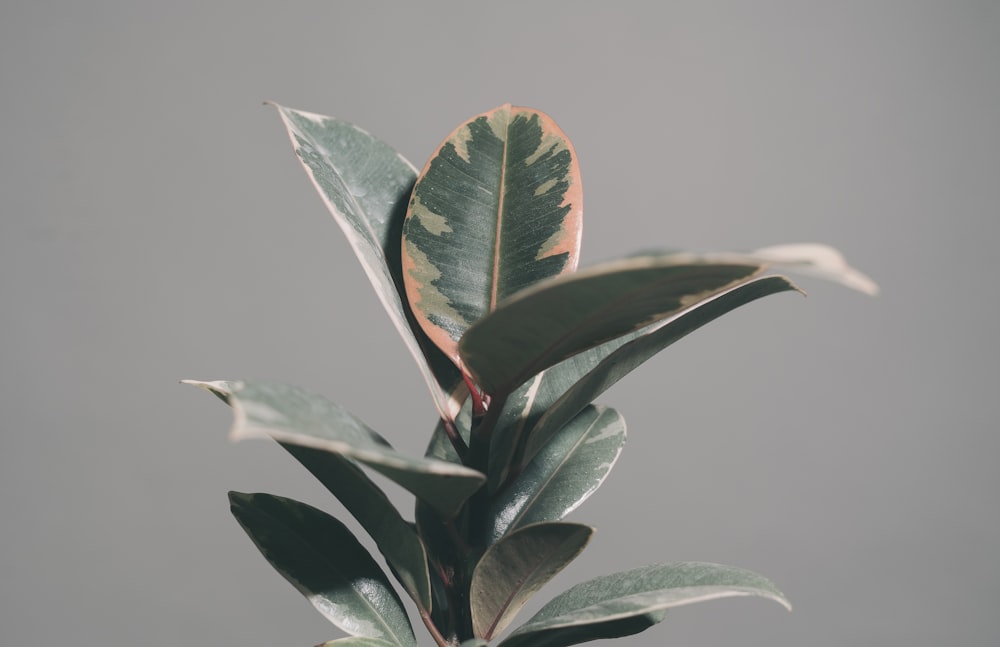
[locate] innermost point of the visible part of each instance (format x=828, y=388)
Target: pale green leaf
x=516, y=567
x=497, y=208
x=323, y=560
x=561, y=317
x=294, y=416
x=365, y=184
x=563, y=474
x=355, y=641
x=395, y=538
x=590, y=606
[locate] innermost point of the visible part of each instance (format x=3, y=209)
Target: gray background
x=156, y=226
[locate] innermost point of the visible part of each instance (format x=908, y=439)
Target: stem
x=456, y=438
x=432, y=628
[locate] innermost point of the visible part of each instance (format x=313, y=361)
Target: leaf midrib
x=495, y=282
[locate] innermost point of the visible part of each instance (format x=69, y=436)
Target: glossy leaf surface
x=626, y=358
x=497, y=208
x=295, y=416
x=395, y=538
x=323, y=560
x=516, y=567
x=562, y=317
x=637, y=593
x=564, y=473
x=355, y=641
x=366, y=185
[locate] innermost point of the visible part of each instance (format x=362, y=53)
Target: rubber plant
x=474, y=259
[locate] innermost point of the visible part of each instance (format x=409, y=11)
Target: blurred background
x=154, y=226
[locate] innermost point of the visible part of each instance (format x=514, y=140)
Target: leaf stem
x=456, y=438
x=432, y=628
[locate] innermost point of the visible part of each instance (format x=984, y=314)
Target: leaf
x=473, y=642
x=584, y=611
x=626, y=358
x=365, y=184
x=550, y=322
x=322, y=559
x=295, y=416
x=395, y=538
x=564, y=473
x=355, y=641
x=516, y=567
x=497, y=208
x=814, y=259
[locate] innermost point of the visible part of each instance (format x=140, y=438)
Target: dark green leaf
x=564, y=474
x=516, y=567
x=559, y=318
x=323, y=560
x=574, y=635
x=636, y=593
x=496, y=209
x=621, y=361
x=366, y=185
x=294, y=416
x=395, y=538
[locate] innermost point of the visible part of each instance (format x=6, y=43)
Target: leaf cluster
x=474, y=259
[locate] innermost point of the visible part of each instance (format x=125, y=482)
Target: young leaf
x=322, y=559
x=564, y=473
x=590, y=606
x=497, y=208
x=626, y=358
x=292, y=415
x=365, y=184
x=513, y=569
x=550, y=322
x=395, y=538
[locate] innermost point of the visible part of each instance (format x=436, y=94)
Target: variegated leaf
x=497, y=208
x=596, y=608
x=559, y=318
x=292, y=415
x=365, y=184
x=620, y=361
x=563, y=474
x=515, y=568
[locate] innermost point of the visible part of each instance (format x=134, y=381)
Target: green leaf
x=626, y=358
x=564, y=473
x=584, y=611
x=366, y=185
x=292, y=415
x=322, y=559
x=395, y=538
x=497, y=208
x=474, y=642
x=355, y=641
x=516, y=567
x=550, y=322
